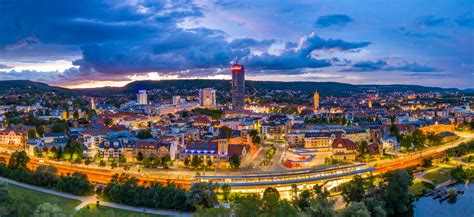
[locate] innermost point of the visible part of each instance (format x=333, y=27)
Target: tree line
x=44, y=176
x=363, y=198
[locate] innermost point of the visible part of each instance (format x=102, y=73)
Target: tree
x=375, y=207
x=102, y=163
x=186, y=161
x=213, y=212
x=166, y=161
x=394, y=192
x=140, y=156
x=304, y=200
x=225, y=132
x=18, y=160
x=73, y=151
x=234, y=161
x=427, y=162
x=108, y=122
x=32, y=134
x=355, y=209
x=271, y=200
x=202, y=194
x=47, y=209
x=144, y=134
x=75, y=115
x=59, y=127
x=77, y=184
x=363, y=150
x=249, y=205
x=394, y=131
x=418, y=139
x=226, y=191
x=45, y=176
x=196, y=162
x=321, y=205
x=353, y=191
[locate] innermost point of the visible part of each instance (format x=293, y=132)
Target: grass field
x=419, y=188
x=102, y=211
x=438, y=176
x=33, y=198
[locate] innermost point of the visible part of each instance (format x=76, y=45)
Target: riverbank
x=461, y=206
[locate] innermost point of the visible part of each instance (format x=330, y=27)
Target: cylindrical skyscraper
x=238, y=86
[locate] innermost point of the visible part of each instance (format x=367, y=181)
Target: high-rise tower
x=316, y=101
x=238, y=86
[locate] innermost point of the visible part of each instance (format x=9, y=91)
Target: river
x=462, y=207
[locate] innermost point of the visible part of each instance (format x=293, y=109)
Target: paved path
x=92, y=200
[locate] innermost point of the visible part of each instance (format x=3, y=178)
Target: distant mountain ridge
x=324, y=88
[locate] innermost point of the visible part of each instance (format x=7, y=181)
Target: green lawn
x=438, y=176
x=103, y=211
x=418, y=188
x=33, y=198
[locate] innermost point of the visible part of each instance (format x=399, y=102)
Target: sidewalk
x=85, y=200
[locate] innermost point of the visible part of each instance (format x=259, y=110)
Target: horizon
x=112, y=43
x=224, y=79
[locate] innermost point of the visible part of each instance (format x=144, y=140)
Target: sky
x=92, y=43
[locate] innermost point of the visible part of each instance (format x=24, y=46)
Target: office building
x=238, y=86
x=142, y=97
x=207, y=97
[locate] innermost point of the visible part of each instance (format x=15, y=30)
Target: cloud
x=250, y=42
x=466, y=20
x=433, y=21
x=3, y=66
x=419, y=34
x=382, y=65
x=333, y=20
x=301, y=55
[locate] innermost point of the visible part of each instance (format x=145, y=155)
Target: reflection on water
x=462, y=206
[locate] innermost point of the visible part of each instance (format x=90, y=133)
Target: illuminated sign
x=237, y=67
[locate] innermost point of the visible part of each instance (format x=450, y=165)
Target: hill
x=324, y=88
x=183, y=86
x=27, y=86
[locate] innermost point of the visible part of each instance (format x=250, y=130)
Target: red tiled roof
x=346, y=143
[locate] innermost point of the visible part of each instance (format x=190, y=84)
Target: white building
x=176, y=100
x=207, y=97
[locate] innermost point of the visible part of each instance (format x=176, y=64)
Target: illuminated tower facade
x=316, y=101
x=93, y=107
x=142, y=97
x=238, y=86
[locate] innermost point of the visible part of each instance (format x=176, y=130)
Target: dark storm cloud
x=381, y=65
x=118, y=40
x=333, y=20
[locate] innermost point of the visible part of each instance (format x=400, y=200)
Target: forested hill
x=324, y=88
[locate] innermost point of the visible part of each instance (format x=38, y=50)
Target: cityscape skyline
x=112, y=44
